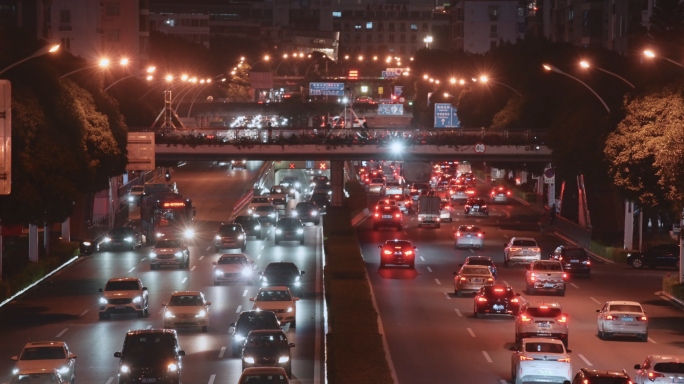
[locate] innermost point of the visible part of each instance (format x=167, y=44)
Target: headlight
x=284, y=359
x=218, y=273
x=294, y=214
x=239, y=338
x=15, y=371
x=300, y=231
x=189, y=233
x=137, y=299
x=169, y=314
x=152, y=254
x=271, y=215
x=264, y=278
x=249, y=360
x=257, y=227
x=298, y=278
x=249, y=211
x=217, y=237
x=264, y=284
x=246, y=271
x=103, y=300
x=289, y=309
x=108, y=239
x=178, y=254
x=172, y=367
x=258, y=309
x=160, y=234
x=130, y=198
x=86, y=243
x=297, y=185
x=240, y=237
x=64, y=370
x=314, y=213
x=201, y=314
x=255, y=215
x=297, y=283
x=292, y=190
x=329, y=192
x=129, y=239
x=124, y=369
x=279, y=231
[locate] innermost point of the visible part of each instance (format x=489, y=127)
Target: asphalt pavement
x=65, y=308
x=433, y=336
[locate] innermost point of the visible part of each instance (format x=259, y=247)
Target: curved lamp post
x=102, y=63
x=584, y=64
x=44, y=50
x=552, y=68
x=485, y=79
x=652, y=55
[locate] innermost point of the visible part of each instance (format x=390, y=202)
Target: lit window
x=337, y=14
x=369, y=25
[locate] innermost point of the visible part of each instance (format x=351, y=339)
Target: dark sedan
x=123, y=238
x=267, y=349
x=496, y=300
x=251, y=321
x=289, y=229
x=282, y=274
x=661, y=255
x=307, y=212
x=574, y=259
x=250, y=224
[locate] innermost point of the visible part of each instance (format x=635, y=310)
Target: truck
x=546, y=275
x=167, y=215
x=416, y=172
x=429, y=211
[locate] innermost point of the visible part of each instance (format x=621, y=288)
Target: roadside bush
x=619, y=255
x=672, y=286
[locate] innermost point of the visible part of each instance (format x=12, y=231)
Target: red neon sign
x=172, y=205
x=353, y=74
x=292, y=166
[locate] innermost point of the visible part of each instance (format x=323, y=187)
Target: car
x=573, y=258
x=661, y=255
x=622, y=318
x=393, y=188
x=230, y=236
x=543, y=319
x=385, y=203
x=443, y=194
x=233, y=267
x=469, y=236
x=445, y=212
x=545, y=275
x=289, y=229
x=278, y=300
x=419, y=189
x=319, y=182
x=521, y=250
x=282, y=273
x=123, y=295
x=660, y=369
x=588, y=375
x=170, y=252
x=481, y=260
x=250, y=321
x=293, y=184
x=186, y=309
x=397, y=252
x=258, y=202
x=278, y=196
x=123, y=238
x=267, y=348
x=469, y=178
x=47, y=356
x=150, y=356
x=269, y=375
x=541, y=361
x=377, y=186
x=499, y=195
x=37, y=376
x=388, y=216
x=321, y=202
x=403, y=202
x=458, y=194
x=136, y=193
x=86, y=246
x=250, y=225
x=307, y=212
x=238, y=164
x=496, y=300
x=476, y=207
x=266, y=214
x=470, y=278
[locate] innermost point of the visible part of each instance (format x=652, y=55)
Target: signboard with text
x=445, y=116
x=391, y=109
x=140, y=151
x=326, y=89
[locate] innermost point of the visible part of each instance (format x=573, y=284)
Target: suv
x=307, y=212
x=387, y=216
x=289, y=229
x=123, y=238
x=542, y=320
x=257, y=202
x=573, y=258
x=170, y=252
x=251, y=321
x=37, y=376
x=545, y=275
x=397, y=252
x=233, y=267
x=186, y=309
x=469, y=236
x=266, y=214
x=250, y=225
x=521, y=250
x=150, y=356
x=475, y=206
x=230, y=236
x=282, y=273
x=124, y=295
x=588, y=375
x=47, y=355
x=660, y=369
x=267, y=348
x=278, y=300
x=293, y=183
x=662, y=255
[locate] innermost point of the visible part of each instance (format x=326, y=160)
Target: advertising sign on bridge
x=326, y=89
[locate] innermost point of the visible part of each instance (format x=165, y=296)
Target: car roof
x=229, y=255
x=570, y=247
x=45, y=344
x=623, y=302
x=478, y=258
x=468, y=267
x=267, y=331
x=278, y=288
x=187, y=293
x=603, y=373
x=664, y=358
x=469, y=228
x=280, y=262
x=541, y=340
x=523, y=238
x=537, y=304
x=151, y=331
x=123, y=279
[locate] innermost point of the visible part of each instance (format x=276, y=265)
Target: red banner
x=243, y=201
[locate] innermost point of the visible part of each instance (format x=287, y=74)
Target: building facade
x=480, y=25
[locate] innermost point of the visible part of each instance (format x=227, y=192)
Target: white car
x=186, y=309
x=622, y=318
x=38, y=376
x=123, y=295
x=170, y=252
x=469, y=236
x=377, y=186
x=256, y=202
x=393, y=188
x=47, y=355
x=521, y=250
x=278, y=300
x=136, y=193
x=233, y=267
x=543, y=320
x=541, y=360
x=660, y=369
x=445, y=213
x=403, y=202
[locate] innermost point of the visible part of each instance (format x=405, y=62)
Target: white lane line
x=505, y=235
x=63, y=332
x=239, y=309
x=471, y=332
x=447, y=295
x=143, y=259
x=429, y=269
x=211, y=379
x=110, y=380
x=193, y=268
x=223, y=351
x=184, y=280
x=585, y=360
x=652, y=341
x=262, y=247
x=131, y=270
x=437, y=281
x=83, y=313
x=506, y=282
x=208, y=248
x=486, y=355
x=160, y=311
x=458, y=312
x=471, y=250
x=258, y=257
x=201, y=257
x=149, y=326
x=421, y=258
x=595, y=301
x=244, y=293
x=574, y=285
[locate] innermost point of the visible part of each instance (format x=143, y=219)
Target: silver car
x=458, y=194
x=622, y=318
x=377, y=186
x=471, y=278
x=521, y=250
x=394, y=188
x=469, y=236
x=542, y=320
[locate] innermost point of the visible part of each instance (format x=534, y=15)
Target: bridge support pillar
x=337, y=181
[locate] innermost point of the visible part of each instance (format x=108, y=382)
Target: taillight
x=397, y=215
x=479, y=235
x=377, y=215
x=514, y=300
x=387, y=252
x=481, y=299
x=610, y=317
x=535, y=249
x=525, y=318
x=463, y=279
x=458, y=233
x=562, y=319
x=654, y=375
x=498, y=289
x=588, y=262
x=564, y=360
x=493, y=193
x=532, y=278
x=484, y=206
x=525, y=358
x=641, y=318
x=413, y=190
x=508, y=193
x=408, y=253
x=490, y=279
x=514, y=249
x=565, y=276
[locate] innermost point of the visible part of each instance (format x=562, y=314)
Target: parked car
x=661, y=255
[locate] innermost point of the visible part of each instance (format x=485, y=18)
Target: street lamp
x=44, y=50
x=103, y=63
x=484, y=80
x=453, y=81
x=552, y=68
x=584, y=64
x=652, y=55
x=124, y=62
x=360, y=58
x=427, y=41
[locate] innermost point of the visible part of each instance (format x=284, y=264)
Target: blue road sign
x=326, y=89
x=446, y=116
x=309, y=164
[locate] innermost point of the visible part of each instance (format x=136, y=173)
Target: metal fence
x=101, y=226
x=577, y=233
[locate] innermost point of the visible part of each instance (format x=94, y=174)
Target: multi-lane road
x=433, y=337
x=65, y=308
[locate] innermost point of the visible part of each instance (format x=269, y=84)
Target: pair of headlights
x=136, y=300
x=280, y=231
x=282, y=359
x=169, y=368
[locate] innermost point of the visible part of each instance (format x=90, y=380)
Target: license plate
x=627, y=319
x=228, y=243
x=476, y=280
x=574, y=261
x=544, y=325
x=397, y=253
x=523, y=253
x=116, y=243
x=120, y=307
x=476, y=207
x=469, y=235
x=149, y=380
x=386, y=216
x=548, y=285
x=498, y=307
x=544, y=372
x=676, y=379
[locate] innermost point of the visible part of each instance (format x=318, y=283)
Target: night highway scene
x=341, y=192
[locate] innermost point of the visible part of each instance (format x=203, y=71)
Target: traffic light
x=322, y=166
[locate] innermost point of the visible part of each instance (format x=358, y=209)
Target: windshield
x=544, y=347
x=475, y=270
x=122, y=286
x=149, y=347
x=260, y=200
x=544, y=312
x=277, y=190
x=575, y=254
x=669, y=367
x=274, y=296
x=625, y=308
x=121, y=231
x=43, y=353
x=289, y=222
x=264, y=379
x=266, y=341
x=250, y=321
x=229, y=229
x=35, y=378
x=168, y=244
x=186, y=301
x=265, y=208
x=465, y=228
x=137, y=189
x=281, y=268
x=479, y=262
x=304, y=207
x=542, y=266
x=525, y=243
x=392, y=184
x=232, y=260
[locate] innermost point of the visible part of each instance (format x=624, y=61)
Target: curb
x=671, y=298
x=360, y=217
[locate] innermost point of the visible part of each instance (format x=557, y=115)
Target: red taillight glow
x=514, y=300
x=498, y=290
x=565, y=276
x=458, y=233
x=588, y=262
x=490, y=279
x=544, y=307
x=562, y=319
x=171, y=205
x=514, y=249
x=397, y=215
x=387, y=207
x=525, y=358
x=610, y=317
x=408, y=253
x=463, y=279
x=481, y=299
x=654, y=375
x=387, y=252
x=479, y=235
x=564, y=360
x=508, y=193
x=532, y=278
x=413, y=190
x=641, y=318
x=377, y=215
x=470, y=192
x=525, y=318
x=535, y=249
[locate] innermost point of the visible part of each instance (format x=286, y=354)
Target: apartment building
x=480, y=25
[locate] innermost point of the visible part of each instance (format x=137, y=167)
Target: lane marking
x=506, y=282
x=193, y=268
x=131, y=270
x=238, y=309
x=486, y=355
x=585, y=360
x=244, y=293
x=110, y=380
x=421, y=258
x=143, y=259
x=505, y=235
x=471, y=250
x=437, y=281
x=652, y=341
x=149, y=326
x=258, y=257
x=458, y=312
x=223, y=350
x=574, y=285
x=84, y=312
x=184, y=280
x=262, y=247
x=63, y=332
x=447, y=295
x=211, y=379
x=429, y=269
x=201, y=257
x=595, y=301
x=471, y=332
x=208, y=248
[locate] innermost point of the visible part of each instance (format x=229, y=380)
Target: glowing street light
x=150, y=77
x=652, y=55
x=552, y=68
x=436, y=81
x=224, y=79
x=427, y=41
x=124, y=62
x=375, y=58
x=169, y=78
x=462, y=82
x=585, y=64
x=151, y=69
x=208, y=80
x=432, y=80
x=184, y=77
x=346, y=57
x=425, y=77
x=360, y=58
x=485, y=80
x=42, y=51
x=242, y=58
x=103, y=63
x=453, y=81
x=649, y=54
x=285, y=56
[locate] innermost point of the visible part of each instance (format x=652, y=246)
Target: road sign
x=391, y=109
x=398, y=90
x=480, y=148
x=401, y=99
x=326, y=89
x=549, y=176
x=309, y=164
x=445, y=116
x=5, y=139
x=140, y=151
